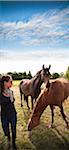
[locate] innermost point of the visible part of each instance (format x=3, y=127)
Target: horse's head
x=33, y=122
x=39, y=107
x=45, y=73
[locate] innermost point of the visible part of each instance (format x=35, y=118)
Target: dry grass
x=40, y=138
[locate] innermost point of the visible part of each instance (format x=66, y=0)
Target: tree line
x=24, y=75
x=20, y=75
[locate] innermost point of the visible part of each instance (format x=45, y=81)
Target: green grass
x=41, y=137
x=16, y=83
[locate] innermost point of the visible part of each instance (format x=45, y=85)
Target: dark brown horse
x=54, y=95
x=32, y=87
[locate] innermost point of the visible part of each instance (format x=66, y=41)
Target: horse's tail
x=20, y=90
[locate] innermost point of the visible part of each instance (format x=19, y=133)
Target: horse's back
x=27, y=87
x=60, y=88
x=65, y=84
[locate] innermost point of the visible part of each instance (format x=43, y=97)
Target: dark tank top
x=7, y=107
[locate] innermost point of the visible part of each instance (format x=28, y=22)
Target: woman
x=8, y=112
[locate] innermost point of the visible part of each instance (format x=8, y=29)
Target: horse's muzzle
x=29, y=129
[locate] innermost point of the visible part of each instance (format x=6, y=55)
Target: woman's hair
x=3, y=79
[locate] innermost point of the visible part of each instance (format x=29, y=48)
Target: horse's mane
x=38, y=73
x=36, y=76
x=59, y=79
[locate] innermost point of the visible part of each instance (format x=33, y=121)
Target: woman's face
x=8, y=84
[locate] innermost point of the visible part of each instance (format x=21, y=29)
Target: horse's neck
x=47, y=82
x=40, y=105
x=37, y=82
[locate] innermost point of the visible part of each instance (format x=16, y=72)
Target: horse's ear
x=43, y=67
x=49, y=67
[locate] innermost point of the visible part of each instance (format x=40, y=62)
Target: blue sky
x=32, y=34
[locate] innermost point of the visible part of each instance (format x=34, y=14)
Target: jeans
x=5, y=125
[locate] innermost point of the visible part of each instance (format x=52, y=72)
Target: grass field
x=41, y=137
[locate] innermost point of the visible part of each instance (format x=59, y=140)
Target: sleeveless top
x=7, y=107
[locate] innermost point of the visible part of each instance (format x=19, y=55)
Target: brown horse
x=55, y=95
x=32, y=87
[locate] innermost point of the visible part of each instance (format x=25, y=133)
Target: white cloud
x=34, y=60
x=51, y=26
x=48, y=28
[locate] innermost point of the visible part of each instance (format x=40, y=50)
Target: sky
x=33, y=34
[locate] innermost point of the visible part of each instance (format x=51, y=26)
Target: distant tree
x=29, y=76
x=67, y=73
x=15, y=76
x=10, y=73
x=20, y=75
x=55, y=75
x=61, y=74
x=24, y=75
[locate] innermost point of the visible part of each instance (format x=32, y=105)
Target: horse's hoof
x=21, y=105
x=28, y=108
x=50, y=126
x=67, y=126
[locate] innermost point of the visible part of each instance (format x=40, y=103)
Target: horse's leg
x=63, y=115
x=24, y=97
x=27, y=102
x=21, y=98
x=35, y=99
x=31, y=102
x=52, y=112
